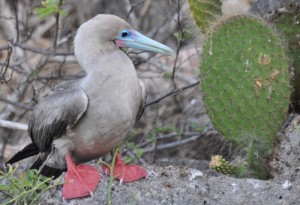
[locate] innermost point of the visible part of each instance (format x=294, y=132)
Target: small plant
x=167, y=75
x=138, y=152
x=24, y=187
x=186, y=35
x=50, y=7
x=111, y=175
x=168, y=129
x=151, y=138
x=198, y=128
x=219, y=164
x=111, y=166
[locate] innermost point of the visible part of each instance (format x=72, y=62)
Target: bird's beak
x=139, y=41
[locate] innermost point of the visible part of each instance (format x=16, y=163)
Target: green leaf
x=139, y=152
x=167, y=75
x=168, y=128
x=23, y=187
x=132, y=145
x=152, y=138
x=128, y=159
x=48, y=8
x=5, y=187
x=198, y=128
x=186, y=35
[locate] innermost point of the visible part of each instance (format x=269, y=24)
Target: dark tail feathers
x=28, y=151
x=31, y=150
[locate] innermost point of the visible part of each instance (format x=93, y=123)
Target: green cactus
x=289, y=25
x=205, y=12
x=219, y=164
x=245, y=85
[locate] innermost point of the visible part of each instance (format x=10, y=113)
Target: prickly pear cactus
x=205, y=12
x=245, y=84
x=219, y=164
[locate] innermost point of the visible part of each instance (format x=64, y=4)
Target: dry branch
x=13, y=125
x=179, y=143
x=175, y=91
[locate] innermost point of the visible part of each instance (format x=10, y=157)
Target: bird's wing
x=55, y=114
x=143, y=101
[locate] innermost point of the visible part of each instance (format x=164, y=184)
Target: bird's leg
x=123, y=172
x=80, y=180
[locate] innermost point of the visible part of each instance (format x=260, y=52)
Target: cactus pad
x=245, y=81
x=205, y=12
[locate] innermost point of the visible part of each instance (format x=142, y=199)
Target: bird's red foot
x=80, y=180
x=125, y=173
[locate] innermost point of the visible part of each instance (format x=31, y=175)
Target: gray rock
x=181, y=185
x=267, y=8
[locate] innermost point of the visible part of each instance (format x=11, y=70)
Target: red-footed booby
x=84, y=119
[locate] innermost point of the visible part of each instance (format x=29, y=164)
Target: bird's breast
x=112, y=109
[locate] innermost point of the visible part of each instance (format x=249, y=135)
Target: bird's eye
x=124, y=34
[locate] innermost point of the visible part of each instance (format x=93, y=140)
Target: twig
x=181, y=34
x=175, y=91
x=57, y=15
x=179, y=143
x=15, y=7
x=46, y=51
x=167, y=136
x=178, y=75
x=5, y=67
x=155, y=154
x=132, y=6
x=187, y=59
x=111, y=175
x=134, y=156
x=13, y=125
x=16, y=104
x=60, y=77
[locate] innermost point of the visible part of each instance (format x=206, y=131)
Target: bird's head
x=133, y=39
x=107, y=32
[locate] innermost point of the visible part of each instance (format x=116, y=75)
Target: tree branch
x=175, y=91
x=16, y=104
x=57, y=15
x=46, y=51
x=13, y=125
x=181, y=34
x=179, y=143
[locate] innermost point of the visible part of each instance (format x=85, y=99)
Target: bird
x=84, y=119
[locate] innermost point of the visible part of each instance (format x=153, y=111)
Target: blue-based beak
x=134, y=39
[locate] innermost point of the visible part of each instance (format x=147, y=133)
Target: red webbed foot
x=80, y=180
x=125, y=173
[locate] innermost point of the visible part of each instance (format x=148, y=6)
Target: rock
x=181, y=185
x=286, y=161
x=267, y=8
